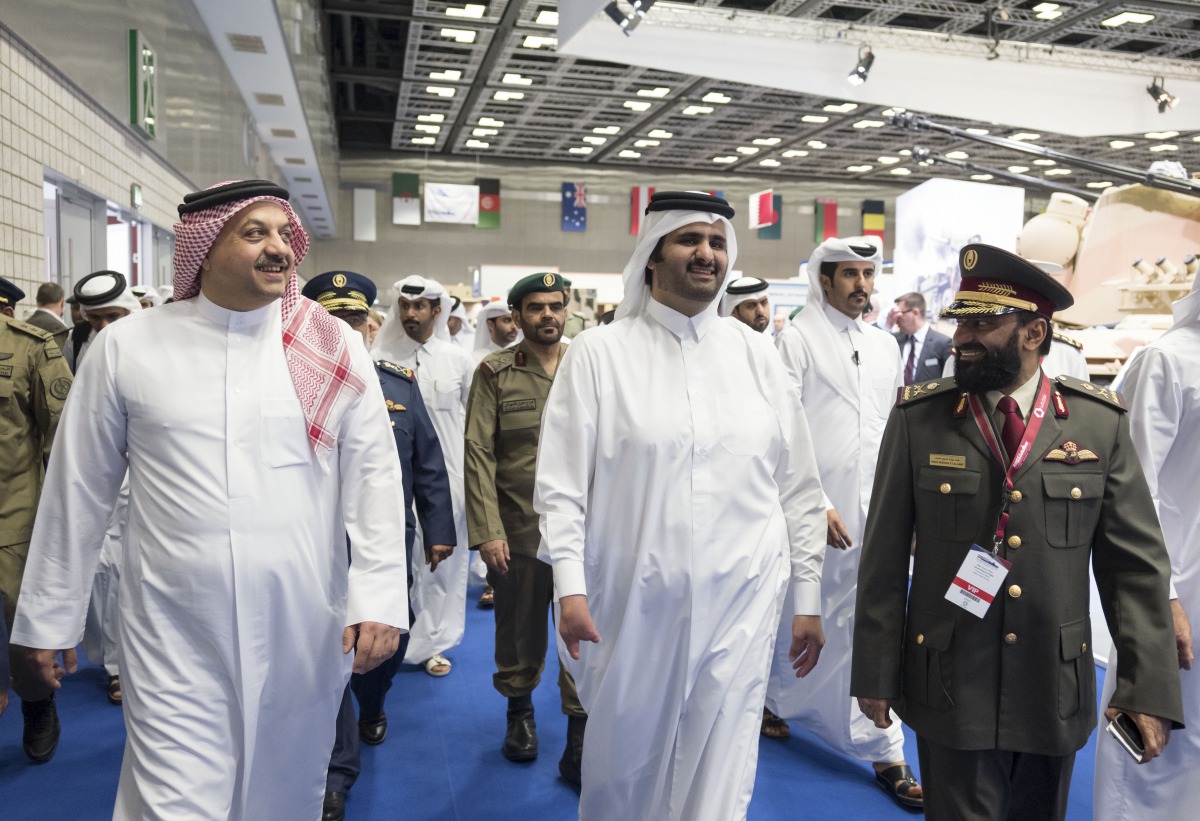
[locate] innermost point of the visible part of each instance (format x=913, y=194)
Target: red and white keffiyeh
x=318, y=358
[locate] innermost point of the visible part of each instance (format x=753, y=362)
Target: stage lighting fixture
x=628, y=22
x=1161, y=96
x=865, y=60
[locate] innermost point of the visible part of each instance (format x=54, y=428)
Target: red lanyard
x=1023, y=449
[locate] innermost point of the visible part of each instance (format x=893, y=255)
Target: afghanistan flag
x=489, y=203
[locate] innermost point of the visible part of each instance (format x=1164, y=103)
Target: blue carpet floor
x=442, y=762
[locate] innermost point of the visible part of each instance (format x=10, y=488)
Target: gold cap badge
x=548, y=280
x=339, y=280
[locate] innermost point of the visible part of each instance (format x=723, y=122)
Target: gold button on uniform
x=945, y=487
x=1083, y=647
x=920, y=638
x=1014, y=541
x=1076, y=493
x=1015, y=496
x=1011, y=638
x=1015, y=591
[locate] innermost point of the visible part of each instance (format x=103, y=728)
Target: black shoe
x=42, y=729
x=570, y=765
x=520, y=741
x=334, y=808
x=373, y=731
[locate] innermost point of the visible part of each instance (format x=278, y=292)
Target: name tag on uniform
x=947, y=460
x=975, y=585
x=518, y=405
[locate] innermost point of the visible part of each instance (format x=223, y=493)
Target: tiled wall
x=46, y=123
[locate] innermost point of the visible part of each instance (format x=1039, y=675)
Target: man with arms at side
x=256, y=439
x=48, y=314
x=847, y=373
x=504, y=415
x=415, y=336
x=746, y=301
x=1014, y=484
x=678, y=500
x=347, y=295
x=923, y=351
x=1162, y=387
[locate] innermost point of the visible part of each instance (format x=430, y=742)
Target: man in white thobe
x=461, y=332
x=677, y=498
x=747, y=301
x=495, y=330
x=847, y=373
x=1161, y=386
x=415, y=335
x=255, y=443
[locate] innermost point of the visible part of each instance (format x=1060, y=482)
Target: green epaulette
x=497, y=361
x=31, y=330
x=399, y=370
x=1074, y=343
x=923, y=390
x=1107, y=395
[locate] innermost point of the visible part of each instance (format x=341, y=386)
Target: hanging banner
x=639, y=198
x=574, y=206
x=762, y=212
x=489, y=203
x=406, y=199
x=873, y=218
x=825, y=222
x=775, y=229
x=458, y=204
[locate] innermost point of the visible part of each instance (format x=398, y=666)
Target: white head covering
x=147, y=292
x=839, y=250
x=102, y=283
x=165, y=292
x=752, y=288
x=392, y=336
x=483, y=337
x=655, y=226
x=1187, y=310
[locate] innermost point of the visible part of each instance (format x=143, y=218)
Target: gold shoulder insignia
x=1106, y=395
x=1074, y=343
x=921, y=390
x=399, y=370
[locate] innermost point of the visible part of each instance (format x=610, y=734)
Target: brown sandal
x=774, y=727
x=114, y=690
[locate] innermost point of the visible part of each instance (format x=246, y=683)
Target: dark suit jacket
x=1022, y=678
x=49, y=322
x=930, y=359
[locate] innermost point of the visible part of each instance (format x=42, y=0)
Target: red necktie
x=1014, y=425
x=912, y=355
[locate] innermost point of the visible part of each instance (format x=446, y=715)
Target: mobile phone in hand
x=1125, y=731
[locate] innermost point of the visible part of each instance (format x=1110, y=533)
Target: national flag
x=489, y=203
x=775, y=229
x=574, y=206
x=406, y=199
x=451, y=203
x=873, y=218
x=761, y=211
x=639, y=198
x=825, y=221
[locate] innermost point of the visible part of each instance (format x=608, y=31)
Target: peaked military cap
x=341, y=291
x=547, y=283
x=996, y=282
x=10, y=294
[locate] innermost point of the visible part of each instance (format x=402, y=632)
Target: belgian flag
x=872, y=218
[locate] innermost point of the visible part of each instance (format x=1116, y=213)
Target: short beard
x=998, y=369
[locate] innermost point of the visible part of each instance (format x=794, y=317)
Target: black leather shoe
x=569, y=766
x=520, y=741
x=42, y=729
x=334, y=808
x=373, y=731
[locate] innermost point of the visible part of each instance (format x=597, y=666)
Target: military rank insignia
x=1069, y=453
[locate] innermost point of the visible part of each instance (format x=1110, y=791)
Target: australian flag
x=574, y=206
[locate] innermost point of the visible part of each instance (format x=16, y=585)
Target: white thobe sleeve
x=565, y=465
x=1153, y=391
x=373, y=506
x=87, y=467
x=793, y=350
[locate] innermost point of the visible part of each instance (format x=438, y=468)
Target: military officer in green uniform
x=575, y=323
x=34, y=381
x=504, y=414
x=1013, y=483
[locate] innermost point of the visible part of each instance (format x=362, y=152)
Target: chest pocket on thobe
x=946, y=505
x=1072, y=507
x=446, y=394
x=284, y=434
x=747, y=422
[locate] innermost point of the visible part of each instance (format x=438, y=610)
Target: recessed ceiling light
x=441, y=91
x=958, y=155
x=900, y=172
x=423, y=141
x=484, y=132
x=841, y=108
x=725, y=160
x=607, y=129
x=787, y=155
x=476, y=144
x=428, y=129
x=693, y=110
x=1044, y=162
x=748, y=150
x=469, y=10
x=1161, y=135
x=581, y=149
x=769, y=163
x=1127, y=17
x=1164, y=147
x=870, y=124
x=547, y=18
x=450, y=74
x=888, y=160
x=646, y=144
x=636, y=105
x=506, y=96
x=981, y=177
x=539, y=41
x=858, y=169
x=768, y=141
x=1120, y=143
x=488, y=122
x=595, y=140
x=905, y=152
x=1025, y=135
x=1018, y=169
x=431, y=118
x=1101, y=184
x=629, y=155
x=1057, y=172
x=817, y=144
x=659, y=134
x=716, y=97
x=979, y=132
x=1048, y=11
x=516, y=80
x=661, y=91
x=460, y=35
x=814, y=118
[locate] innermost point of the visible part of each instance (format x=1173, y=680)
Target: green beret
x=547, y=283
